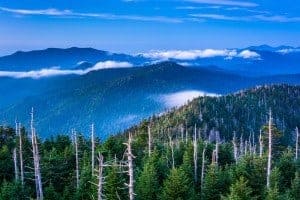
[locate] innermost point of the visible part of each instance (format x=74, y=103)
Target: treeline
x=212, y=148
x=173, y=169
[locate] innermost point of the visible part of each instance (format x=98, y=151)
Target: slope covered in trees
x=211, y=148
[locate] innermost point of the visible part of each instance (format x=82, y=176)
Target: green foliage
x=177, y=186
x=240, y=191
x=147, y=183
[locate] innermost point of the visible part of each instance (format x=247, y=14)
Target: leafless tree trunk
x=36, y=160
x=261, y=144
x=76, y=158
x=217, y=149
x=269, y=150
x=172, y=151
x=100, y=177
x=235, y=149
x=297, y=143
x=21, y=154
x=195, y=144
x=15, y=164
x=149, y=141
x=130, y=157
x=203, y=164
x=186, y=134
x=242, y=148
x=93, y=149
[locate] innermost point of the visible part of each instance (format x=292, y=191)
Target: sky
x=134, y=26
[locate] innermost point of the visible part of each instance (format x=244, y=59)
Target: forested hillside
x=238, y=147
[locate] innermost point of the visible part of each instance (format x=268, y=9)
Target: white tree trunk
x=36, y=160
x=203, y=165
x=269, y=150
x=76, y=158
x=100, y=177
x=15, y=164
x=235, y=149
x=130, y=157
x=261, y=144
x=172, y=151
x=93, y=149
x=149, y=141
x=217, y=149
x=297, y=143
x=21, y=154
x=195, y=144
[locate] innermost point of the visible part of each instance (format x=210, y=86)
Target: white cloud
x=248, y=18
x=182, y=97
x=286, y=51
x=58, y=72
x=225, y=2
x=107, y=16
x=189, y=54
x=247, y=54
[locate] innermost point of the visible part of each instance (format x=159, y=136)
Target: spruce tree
x=147, y=186
x=240, y=191
x=176, y=186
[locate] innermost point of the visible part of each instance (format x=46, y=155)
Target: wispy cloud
x=182, y=97
x=189, y=54
x=107, y=16
x=225, y=2
x=289, y=50
x=196, y=54
x=263, y=18
x=59, y=72
x=247, y=54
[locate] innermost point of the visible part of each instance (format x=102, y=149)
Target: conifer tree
x=240, y=191
x=147, y=183
x=176, y=186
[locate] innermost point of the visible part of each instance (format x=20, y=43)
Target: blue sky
x=133, y=26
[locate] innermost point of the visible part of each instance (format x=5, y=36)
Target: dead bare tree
x=21, y=154
x=269, y=150
x=217, y=148
x=203, y=165
x=261, y=144
x=93, y=149
x=36, y=161
x=171, y=144
x=74, y=133
x=149, y=141
x=195, y=144
x=235, y=149
x=130, y=158
x=100, y=177
x=15, y=164
x=297, y=143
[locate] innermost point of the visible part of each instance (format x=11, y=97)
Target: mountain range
x=118, y=97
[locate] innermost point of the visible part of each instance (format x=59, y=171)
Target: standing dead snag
x=269, y=150
x=235, y=149
x=171, y=143
x=149, y=141
x=203, y=165
x=36, y=161
x=261, y=144
x=100, y=176
x=15, y=164
x=93, y=148
x=21, y=155
x=195, y=154
x=297, y=143
x=217, y=148
x=76, y=157
x=130, y=157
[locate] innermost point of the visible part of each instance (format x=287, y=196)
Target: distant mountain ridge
x=114, y=99
x=270, y=60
